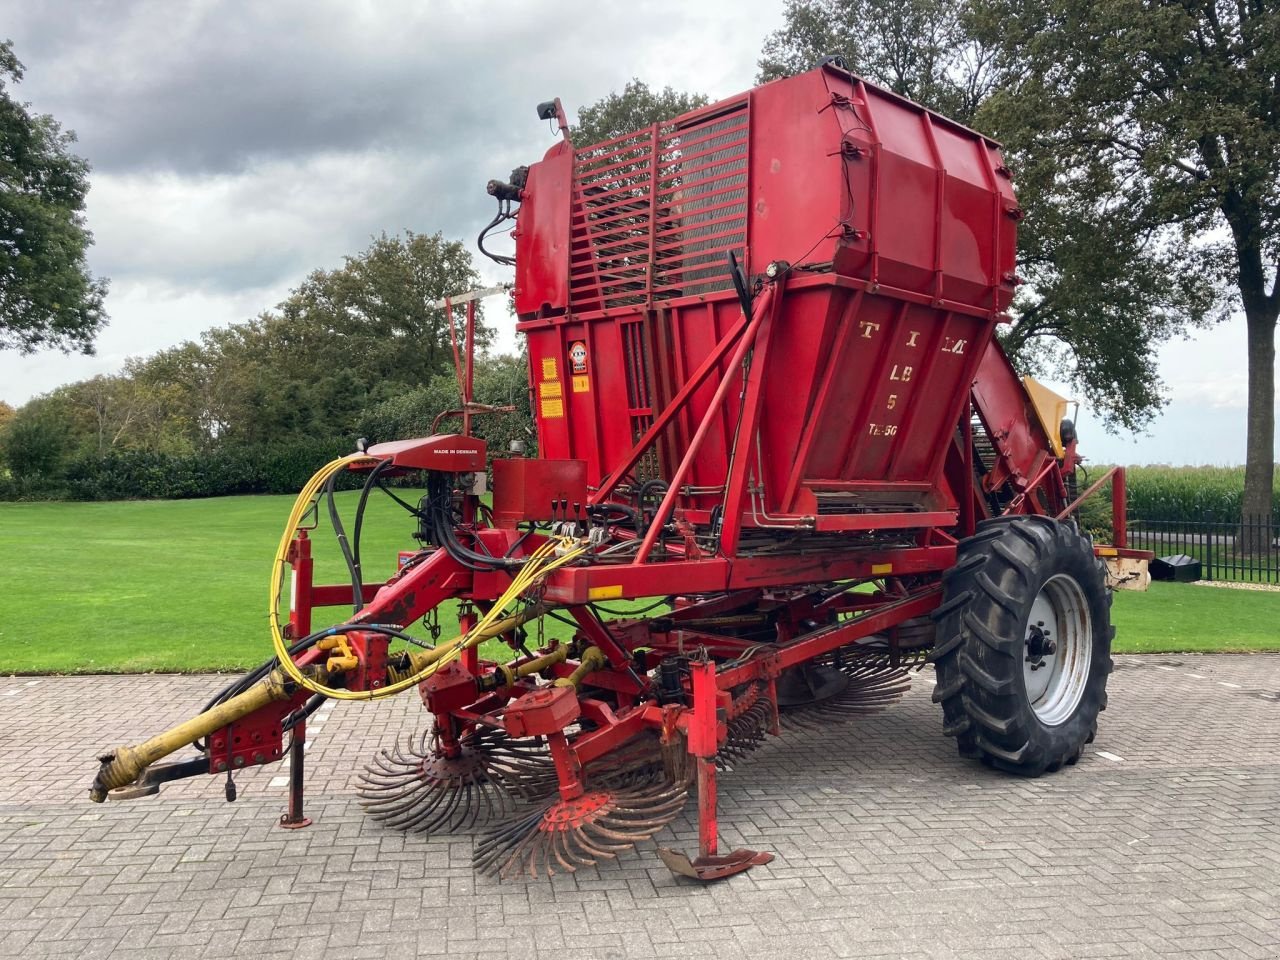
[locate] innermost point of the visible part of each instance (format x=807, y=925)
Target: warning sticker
x=552, y=408
x=582, y=384
x=578, y=356
x=550, y=388
x=549, y=371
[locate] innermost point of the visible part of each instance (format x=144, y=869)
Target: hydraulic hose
x=370, y=481
x=272, y=683
x=532, y=570
x=340, y=531
x=442, y=532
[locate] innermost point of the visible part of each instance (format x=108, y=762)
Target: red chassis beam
x=578, y=585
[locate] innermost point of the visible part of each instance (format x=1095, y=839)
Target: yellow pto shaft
x=125, y=764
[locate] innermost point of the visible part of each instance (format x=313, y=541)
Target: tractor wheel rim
x=1057, y=650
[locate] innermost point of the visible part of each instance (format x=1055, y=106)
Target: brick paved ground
x=1164, y=841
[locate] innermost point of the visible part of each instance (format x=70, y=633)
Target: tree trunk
x=1256, y=534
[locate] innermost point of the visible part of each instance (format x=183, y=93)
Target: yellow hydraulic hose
x=125, y=764
x=538, y=565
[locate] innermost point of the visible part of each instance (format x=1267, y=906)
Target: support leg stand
x=293, y=818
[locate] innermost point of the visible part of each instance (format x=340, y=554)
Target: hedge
x=218, y=472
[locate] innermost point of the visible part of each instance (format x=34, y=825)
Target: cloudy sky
x=238, y=145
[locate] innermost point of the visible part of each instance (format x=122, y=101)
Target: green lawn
x=1182, y=618
x=182, y=586
x=159, y=585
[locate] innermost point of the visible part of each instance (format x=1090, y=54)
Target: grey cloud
x=216, y=87
x=238, y=145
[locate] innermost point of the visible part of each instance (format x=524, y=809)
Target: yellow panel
x=611, y=592
x=552, y=408
x=549, y=389
x=1106, y=551
x=581, y=384
x=882, y=568
x=1050, y=408
x=549, y=368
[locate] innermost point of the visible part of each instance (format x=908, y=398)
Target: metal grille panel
x=655, y=212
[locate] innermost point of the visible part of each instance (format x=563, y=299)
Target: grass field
x=1182, y=618
x=157, y=585
x=181, y=586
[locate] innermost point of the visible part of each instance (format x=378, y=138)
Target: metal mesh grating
x=635, y=355
x=656, y=211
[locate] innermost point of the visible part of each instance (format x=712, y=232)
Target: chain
x=431, y=621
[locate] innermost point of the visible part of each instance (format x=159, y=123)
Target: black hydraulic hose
x=467, y=557
x=357, y=586
x=504, y=213
x=369, y=482
x=521, y=539
x=442, y=530
x=601, y=608
x=408, y=506
x=641, y=495
x=629, y=513
x=307, y=709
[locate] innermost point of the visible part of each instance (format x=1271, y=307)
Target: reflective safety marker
x=882, y=568
x=550, y=391
x=611, y=592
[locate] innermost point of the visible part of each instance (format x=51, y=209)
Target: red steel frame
x=734, y=582
x=609, y=273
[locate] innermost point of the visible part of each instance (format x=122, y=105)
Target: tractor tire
x=1023, y=644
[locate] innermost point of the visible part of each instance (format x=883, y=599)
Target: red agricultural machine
x=781, y=461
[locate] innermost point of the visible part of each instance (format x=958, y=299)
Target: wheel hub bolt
x=1039, y=645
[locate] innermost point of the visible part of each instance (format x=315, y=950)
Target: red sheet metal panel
x=542, y=236
x=900, y=225
x=525, y=489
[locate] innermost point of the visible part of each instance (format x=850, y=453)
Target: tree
x=123, y=412
x=342, y=340
x=372, y=315
x=183, y=375
x=921, y=49
x=48, y=298
x=1166, y=114
x=1102, y=287
x=635, y=107
x=35, y=443
x=501, y=380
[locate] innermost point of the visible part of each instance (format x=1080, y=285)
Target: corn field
x=1194, y=511
x=1189, y=493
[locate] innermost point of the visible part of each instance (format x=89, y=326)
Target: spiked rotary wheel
x=567, y=834
x=747, y=729
x=426, y=788
x=837, y=688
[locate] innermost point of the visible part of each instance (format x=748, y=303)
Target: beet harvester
x=781, y=460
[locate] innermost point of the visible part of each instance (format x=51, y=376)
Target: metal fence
x=1247, y=552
